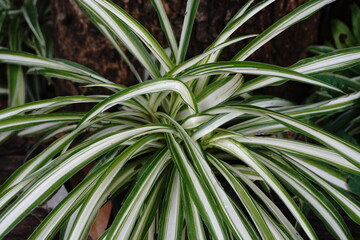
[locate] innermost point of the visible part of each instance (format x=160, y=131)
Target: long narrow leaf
x=41, y=104
x=121, y=15
x=143, y=88
x=172, y=217
x=87, y=213
x=166, y=26
x=347, y=150
x=16, y=85
x=237, y=224
x=252, y=68
x=301, y=148
x=71, y=162
x=317, y=201
x=245, y=198
x=148, y=214
x=122, y=226
x=271, y=206
x=20, y=122
x=194, y=60
x=290, y=19
x=190, y=13
x=334, y=61
x=30, y=12
x=350, y=205
x=61, y=67
x=316, y=109
x=122, y=32
x=194, y=225
x=200, y=194
x=235, y=23
x=244, y=154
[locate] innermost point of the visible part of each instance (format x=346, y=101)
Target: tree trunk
x=78, y=40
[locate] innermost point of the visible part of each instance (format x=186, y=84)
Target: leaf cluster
x=194, y=153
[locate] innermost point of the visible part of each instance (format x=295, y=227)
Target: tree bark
x=78, y=40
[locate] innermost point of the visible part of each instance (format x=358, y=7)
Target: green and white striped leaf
x=330, y=174
x=54, y=73
x=236, y=223
x=198, y=190
x=347, y=150
x=16, y=85
x=125, y=219
x=301, y=148
x=61, y=68
x=15, y=74
x=241, y=11
x=314, y=198
x=213, y=124
x=194, y=60
x=252, y=68
x=71, y=162
x=48, y=103
x=316, y=109
x=244, y=154
x=4, y=136
x=74, y=199
x=276, y=229
x=239, y=19
x=166, y=26
x=215, y=93
x=334, y=61
x=21, y=122
x=194, y=225
x=87, y=213
x=171, y=221
x=245, y=198
x=189, y=18
x=219, y=92
x=320, y=49
x=118, y=14
x=148, y=214
x=248, y=172
x=40, y=128
x=51, y=224
x=37, y=162
x=235, y=23
x=30, y=12
x=269, y=203
x=114, y=86
x=330, y=62
x=287, y=21
x=11, y=192
x=350, y=205
x=196, y=120
x=144, y=88
x=122, y=32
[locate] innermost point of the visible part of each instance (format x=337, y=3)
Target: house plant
x=192, y=151
x=19, y=29
x=342, y=36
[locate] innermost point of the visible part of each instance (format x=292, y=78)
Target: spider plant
x=345, y=124
x=193, y=153
x=19, y=29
